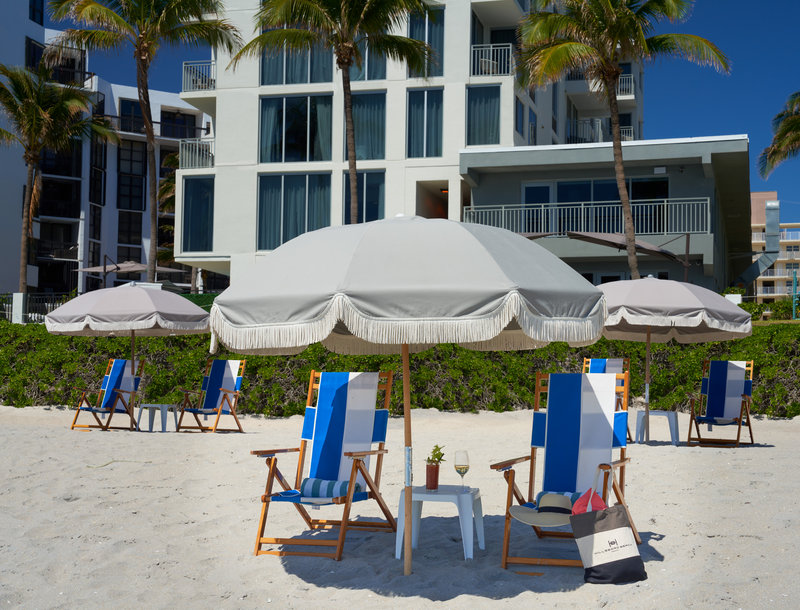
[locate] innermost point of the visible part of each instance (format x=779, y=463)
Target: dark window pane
x=130, y=116
x=36, y=11
x=572, y=192
x=95, y=222
x=60, y=198
x=198, y=214
x=63, y=162
x=129, y=228
x=178, y=125
x=296, y=132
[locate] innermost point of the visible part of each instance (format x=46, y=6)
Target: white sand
x=131, y=520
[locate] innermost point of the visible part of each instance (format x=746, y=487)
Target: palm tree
x=560, y=36
x=345, y=27
x=41, y=115
x=785, y=137
x=143, y=26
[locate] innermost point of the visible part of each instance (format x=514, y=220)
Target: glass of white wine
x=461, y=463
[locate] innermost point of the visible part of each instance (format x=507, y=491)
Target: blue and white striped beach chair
x=578, y=432
x=725, y=396
x=117, y=395
x=342, y=429
x=610, y=365
x=218, y=395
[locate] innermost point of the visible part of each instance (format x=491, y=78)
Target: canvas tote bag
x=606, y=544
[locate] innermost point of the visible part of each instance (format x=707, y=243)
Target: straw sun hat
x=553, y=511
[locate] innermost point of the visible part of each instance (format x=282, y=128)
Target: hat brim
x=532, y=516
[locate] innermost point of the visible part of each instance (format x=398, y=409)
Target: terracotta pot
x=431, y=476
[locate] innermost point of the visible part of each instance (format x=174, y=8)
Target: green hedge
x=43, y=369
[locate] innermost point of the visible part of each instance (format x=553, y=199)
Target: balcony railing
x=199, y=76
x=584, y=131
x=759, y=236
x=196, y=153
x=790, y=235
x=57, y=250
x=135, y=124
x=491, y=59
x=625, y=87
x=773, y=290
x=789, y=254
x=650, y=217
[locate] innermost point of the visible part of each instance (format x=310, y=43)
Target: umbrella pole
x=647, y=388
x=408, y=471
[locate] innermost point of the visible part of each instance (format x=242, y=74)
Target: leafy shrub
x=44, y=369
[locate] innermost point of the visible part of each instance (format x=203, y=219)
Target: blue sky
x=681, y=99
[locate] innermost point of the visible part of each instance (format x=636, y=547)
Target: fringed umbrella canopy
x=405, y=284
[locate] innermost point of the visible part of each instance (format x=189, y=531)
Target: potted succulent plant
x=432, y=467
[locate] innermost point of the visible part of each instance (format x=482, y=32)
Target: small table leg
x=152, y=414
x=416, y=520
x=139, y=419
x=401, y=525
x=477, y=511
x=465, y=521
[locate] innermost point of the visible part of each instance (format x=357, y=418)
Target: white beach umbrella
x=658, y=311
x=405, y=284
x=128, y=310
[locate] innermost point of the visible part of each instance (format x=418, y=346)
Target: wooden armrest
x=614, y=464
x=189, y=391
x=361, y=454
x=268, y=452
x=229, y=391
x=131, y=392
x=509, y=463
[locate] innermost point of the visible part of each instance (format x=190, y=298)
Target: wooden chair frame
x=345, y=523
x=514, y=492
x=626, y=368
x=229, y=396
x=128, y=404
x=698, y=406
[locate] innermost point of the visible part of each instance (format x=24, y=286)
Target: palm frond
x=213, y=32
x=688, y=46
x=786, y=137
x=415, y=53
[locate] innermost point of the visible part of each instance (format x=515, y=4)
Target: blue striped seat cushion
x=320, y=488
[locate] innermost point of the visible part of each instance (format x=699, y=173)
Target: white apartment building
x=277, y=165
x=776, y=281
x=93, y=205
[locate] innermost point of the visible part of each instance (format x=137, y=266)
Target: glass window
x=130, y=116
x=178, y=125
x=129, y=228
x=297, y=67
x=33, y=53
x=424, y=123
x=519, y=117
x=537, y=193
x=131, y=178
x=130, y=192
x=295, y=129
x=605, y=190
x=649, y=188
x=531, y=127
x=60, y=197
x=369, y=124
x=94, y=253
x=132, y=156
x=429, y=28
x=63, y=163
x=555, y=107
x=95, y=222
x=370, y=196
x=483, y=115
x=198, y=213
x=573, y=192
x=290, y=205
x=373, y=66
x=36, y=11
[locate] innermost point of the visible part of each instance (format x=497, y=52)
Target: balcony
x=196, y=153
x=779, y=272
x=650, y=217
x=790, y=236
x=491, y=59
x=135, y=124
x=584, y=131
x=57, y=250
x=626, y=87
x=199, y=76
x=758, y=237
x=789, y=255
x=773, y=290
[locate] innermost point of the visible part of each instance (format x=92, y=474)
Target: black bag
x=608, y=549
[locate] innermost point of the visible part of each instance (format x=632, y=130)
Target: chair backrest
x=225, y=374
x=606, y=365
x=118, y=377
x=344, y=419
x=724, y=383
x=580, y=427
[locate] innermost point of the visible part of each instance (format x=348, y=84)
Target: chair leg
x=621, y=500
x=351, y=488
x=265, y=500
x=509, y=475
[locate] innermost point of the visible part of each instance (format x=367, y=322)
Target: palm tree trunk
x=26, y=230
x=619, y=172
x=350, y=136
x=193, y=287
x=152, y=176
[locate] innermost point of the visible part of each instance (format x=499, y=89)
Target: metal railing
x=789, y=254
x=790, y=236
x=39, y=305
x=6, y=305
x=584, y=131
x=196, y=153
x=779, y=272
x=57, y=250
x=759, y=236
x=650, y=217
x=199, y=76
x=162, y=129
x=625, y=86
x=491, y=59
x=770, y=290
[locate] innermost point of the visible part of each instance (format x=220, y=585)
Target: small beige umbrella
x=405, y=284
x=129, y=309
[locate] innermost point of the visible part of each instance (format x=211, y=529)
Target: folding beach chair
x=725, y=396
x=610, y=365
x=117, y=395
x=218, y=395
x=342, y=429
x=578, y=432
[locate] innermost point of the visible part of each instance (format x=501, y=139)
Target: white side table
x=468, y=501
x=672, y=418
x=152, y=412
